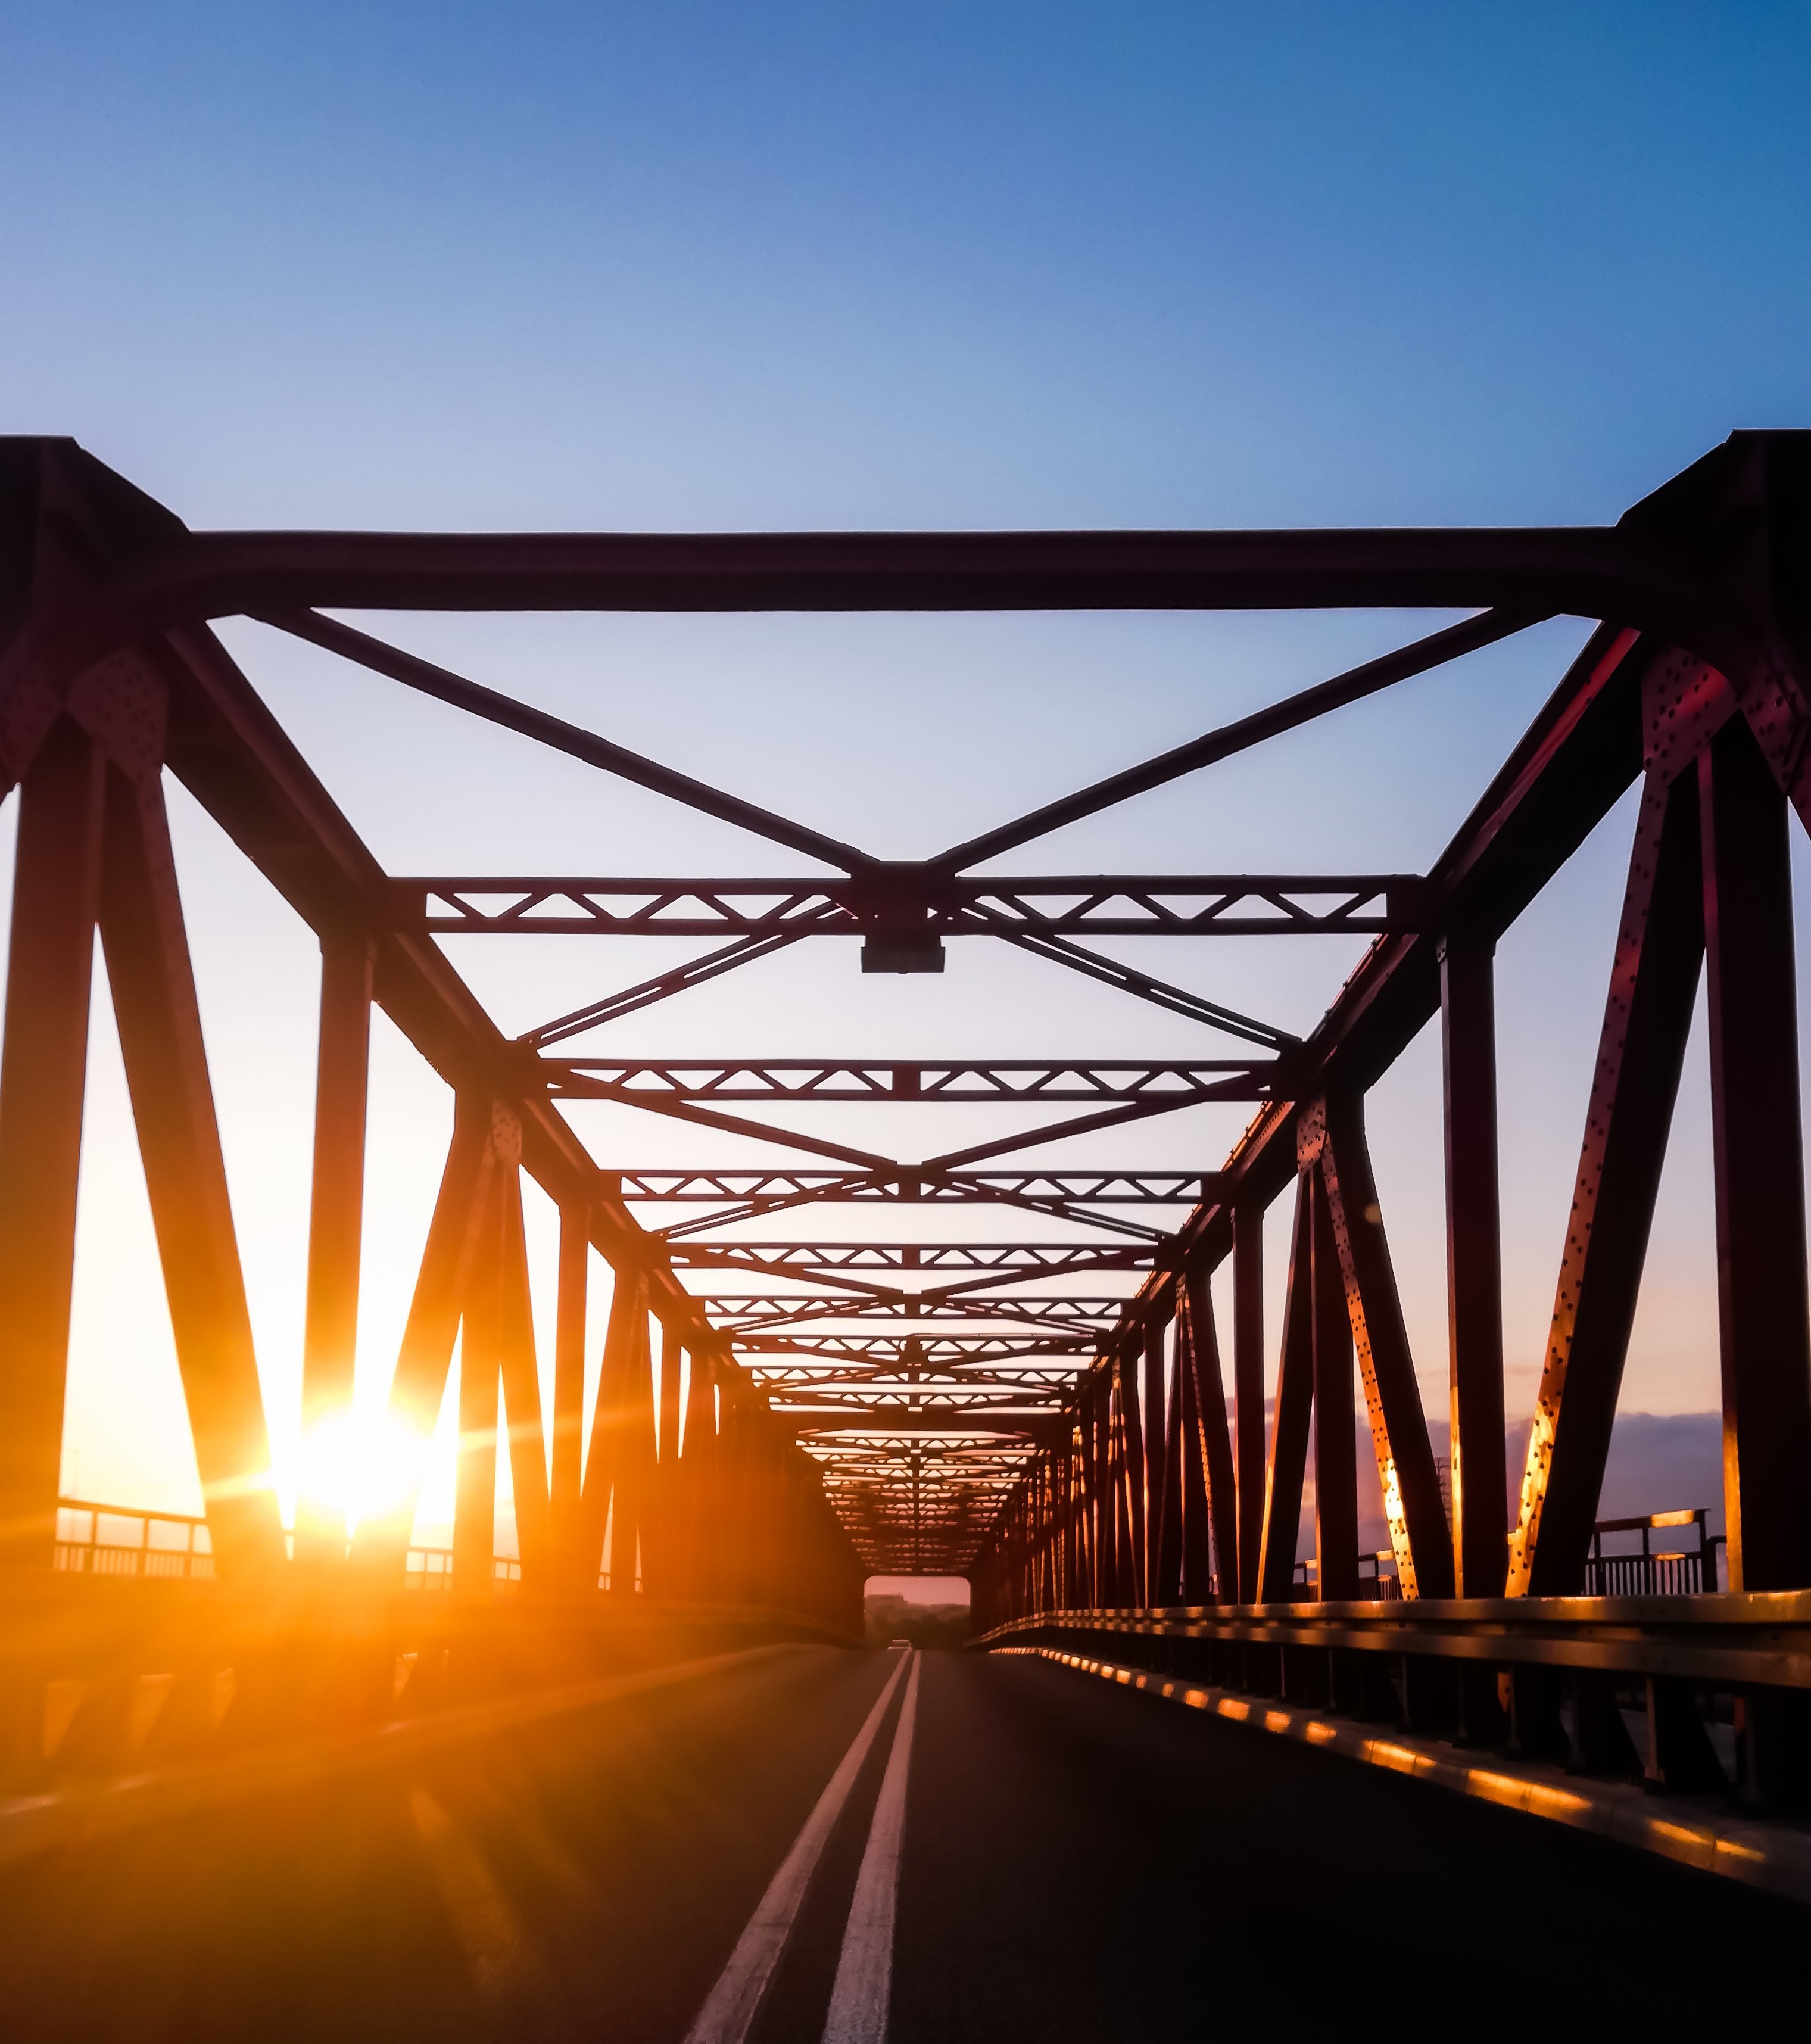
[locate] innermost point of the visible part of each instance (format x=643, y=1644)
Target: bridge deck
x=1079, y=1861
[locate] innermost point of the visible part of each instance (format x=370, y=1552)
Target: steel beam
x=57, y=881
x=1766, y=1340
x=1287, y=1464
x=1088, y=904
x=765, y=1187
x=1412, y=1507
x=567, y=1477
x=148, y=969
x=1248, y=1387
x=968, y=1082
x=336, y=1212
x=1021, y=1259
x=1659, y=948
x=1590, y=571
x=1336, y=1466
x=1474, y=1266
x=1199, y=1360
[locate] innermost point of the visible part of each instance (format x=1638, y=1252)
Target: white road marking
x=729, y=2012
x=859, y=2000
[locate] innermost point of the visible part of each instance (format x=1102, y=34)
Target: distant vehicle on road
x=892, y=1643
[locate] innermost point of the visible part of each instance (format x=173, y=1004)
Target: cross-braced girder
x=1110, y=1456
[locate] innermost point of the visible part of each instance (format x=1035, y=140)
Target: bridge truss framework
x=1073, y=1452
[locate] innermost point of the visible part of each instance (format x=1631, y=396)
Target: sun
x=353, y=1469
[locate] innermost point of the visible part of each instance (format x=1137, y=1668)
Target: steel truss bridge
x=795, y=1390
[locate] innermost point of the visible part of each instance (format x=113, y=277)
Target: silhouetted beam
x=877, y=1420
x=1029, y=1258
x=932, y=1348
x=230, y=752
x=741, y=1311
x=968, y=1082
x=1099, y=905
x=1099, y=1188
x=1589, y=571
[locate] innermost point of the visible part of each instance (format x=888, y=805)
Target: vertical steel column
x=44, y=1065
x=481, y=1377
x=1248, y=1389
x=1134, y=1582
x=1121, y=1590
x=1288, y=1459
x=522, y=1397
x=153, y=984
x=1418, y=1530
x=336, y=1212
x=419, y=1382
x=667, y=1517
x=1174, y=1500
x=1659, y=948
x=1758, y=1148
x=1155, y=1445
x=698, y=1458
x=605, y=1463
x=1196, y=1571
x=568, y=1477
x=1094, y=1490
x=1474, y=1265
x=1209, y=1394
x=1336, y=1464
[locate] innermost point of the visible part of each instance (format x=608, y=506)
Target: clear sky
x=712, y=266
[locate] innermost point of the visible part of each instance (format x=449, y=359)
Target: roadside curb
x=1775, y=1857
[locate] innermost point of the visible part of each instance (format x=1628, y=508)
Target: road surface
x=1045, y=1857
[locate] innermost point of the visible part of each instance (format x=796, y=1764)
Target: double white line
x=865, y=1972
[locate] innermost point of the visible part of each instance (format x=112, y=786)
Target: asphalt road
x=1078, y=1861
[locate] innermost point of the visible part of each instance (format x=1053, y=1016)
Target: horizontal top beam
x=1593, y=571
x=679, y=1184
x=1033, y=1258
x=918, y=898
x=965, y=1082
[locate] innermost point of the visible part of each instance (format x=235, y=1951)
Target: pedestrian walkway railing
x=1378, y=1582
x=431, y=1568
x=108, y=1540
x=95, y=1539
x=1679, y=1567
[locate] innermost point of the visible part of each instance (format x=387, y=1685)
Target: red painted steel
x=1759, y=1165
x=1474, y=1265
x=1077, y=1458
x=50, y=961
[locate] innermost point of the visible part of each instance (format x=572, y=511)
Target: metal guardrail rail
x=116, y=1540
x=1707, y=1693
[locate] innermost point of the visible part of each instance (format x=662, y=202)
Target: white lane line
x=729, y=2012
x=865, y=1972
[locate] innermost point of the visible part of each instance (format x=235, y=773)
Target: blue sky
x=733, y=268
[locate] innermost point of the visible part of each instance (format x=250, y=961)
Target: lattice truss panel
x=1034, y=1391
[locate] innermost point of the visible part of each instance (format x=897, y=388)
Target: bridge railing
x=120, y=1540
x=1707, y=1693
x=1676, y=1569
x=94, y=1540
x=1377, y=1579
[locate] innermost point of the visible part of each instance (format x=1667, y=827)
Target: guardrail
x=1705, y=1693
x=95, y=1539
